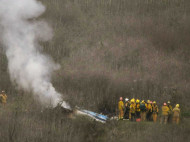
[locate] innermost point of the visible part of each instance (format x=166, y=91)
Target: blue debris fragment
x=96, y=116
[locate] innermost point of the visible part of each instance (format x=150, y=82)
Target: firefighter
x=132, y=109
x=154, y=111
x=151, y=113
x=165, y=112
x=133, y=99
x=127, y=109
x=170, y=112
x=148, y=110
x=121, y=108
x=138, y=110
x=3, y=98
x=176, y=114
x=143, y=110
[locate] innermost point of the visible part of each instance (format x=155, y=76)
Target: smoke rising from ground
x=20, y=33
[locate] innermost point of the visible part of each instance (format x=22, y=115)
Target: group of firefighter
x=136, y=110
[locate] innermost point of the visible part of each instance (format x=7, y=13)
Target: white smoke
x=20, y=33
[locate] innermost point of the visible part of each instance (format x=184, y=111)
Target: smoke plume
x=20, y=33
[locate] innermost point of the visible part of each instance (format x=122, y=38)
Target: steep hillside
x=112, y=48
x=106, y=49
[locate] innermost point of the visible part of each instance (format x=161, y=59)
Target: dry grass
x=114, y=48
x=107, y=49
x=46, y=125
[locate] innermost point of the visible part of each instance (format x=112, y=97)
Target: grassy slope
x=51, y=125
x=118, y=48
x=107, y=49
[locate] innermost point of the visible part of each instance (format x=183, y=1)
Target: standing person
x=170, y=112
x=132, y=109
x=121, y=108
x=154, y=111
x=143, y=110
x=165, y=112
x=176, y=114
x=138, y=110
x=127, y=109
x=151, y=113
x=3, y=98
x=148, y=110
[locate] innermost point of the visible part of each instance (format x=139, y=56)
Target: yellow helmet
x=148, y=101
x=168, y=102
x=177, y=105
x=132, y=100
x=137, y=101
x=142, y=101
x=154, y=102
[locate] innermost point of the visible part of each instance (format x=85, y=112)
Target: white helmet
x=126, y=99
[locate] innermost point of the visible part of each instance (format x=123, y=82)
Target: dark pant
x=126, y=114
x=138, y=114
x=132, y=116
x=169, y=118
x=148, y=116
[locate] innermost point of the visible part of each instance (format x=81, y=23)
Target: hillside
x=106, y=49
x=118, y=48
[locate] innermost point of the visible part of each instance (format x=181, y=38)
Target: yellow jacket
x=165, y=110
x=146, y=105
x=176, y=112
x=3, y=98
x=154, y=108
x=132, y=108
x=170, y=109
x=138, y=107
x=120, y=105
x=149, y=107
